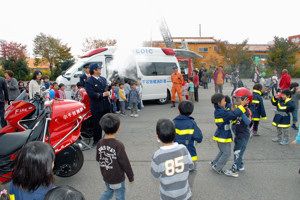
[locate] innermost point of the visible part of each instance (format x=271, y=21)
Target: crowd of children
x=177, y=156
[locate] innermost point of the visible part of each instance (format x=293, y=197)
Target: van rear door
x=155, y=78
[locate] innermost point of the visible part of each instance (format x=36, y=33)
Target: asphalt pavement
x=271, y=170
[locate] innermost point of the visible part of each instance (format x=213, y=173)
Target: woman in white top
x=35, y=91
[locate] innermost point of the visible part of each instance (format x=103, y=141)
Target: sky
x=133, y=21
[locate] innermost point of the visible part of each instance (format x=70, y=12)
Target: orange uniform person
x=177, y=80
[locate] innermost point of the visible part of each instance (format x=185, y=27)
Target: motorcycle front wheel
x=69, y=161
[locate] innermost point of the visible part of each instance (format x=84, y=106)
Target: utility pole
x=200, y=30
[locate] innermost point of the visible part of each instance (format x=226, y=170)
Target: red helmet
x=280, y=94
x=243, y=93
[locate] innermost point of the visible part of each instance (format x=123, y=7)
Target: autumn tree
x=282, y=54
x=236, y=56
x=12, y=49
x=13, y=57
x=215, y=61
x=49, y=49
x=94, y=43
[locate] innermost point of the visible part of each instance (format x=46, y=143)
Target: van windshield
x=73, y=68
x=156, y=68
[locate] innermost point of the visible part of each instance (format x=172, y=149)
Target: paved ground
x=271, y=170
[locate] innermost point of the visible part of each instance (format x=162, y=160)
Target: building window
x=216, y=48
x=203, y=49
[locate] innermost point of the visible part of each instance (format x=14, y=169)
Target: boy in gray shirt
x=171, y=163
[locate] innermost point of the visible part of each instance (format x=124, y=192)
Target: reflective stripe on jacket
x=282, y=116
x=257, y=106
x=222, y=120
x=187, y=132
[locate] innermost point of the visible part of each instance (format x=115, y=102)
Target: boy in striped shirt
x=171, y=163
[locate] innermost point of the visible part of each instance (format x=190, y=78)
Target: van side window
x=164, y=69
x=156, y=68
x=147, y=68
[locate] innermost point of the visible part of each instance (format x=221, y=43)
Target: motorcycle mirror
x=43, y=88
x=63, y=73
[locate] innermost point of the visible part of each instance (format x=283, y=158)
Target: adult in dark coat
x=3, y=100
x=95, y=87
x=83, y=78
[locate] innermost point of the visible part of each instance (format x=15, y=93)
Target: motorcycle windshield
x=22, y=96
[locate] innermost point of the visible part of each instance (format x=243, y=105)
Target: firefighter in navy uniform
x=95, y=87
x=282, y=117
x=83, y=78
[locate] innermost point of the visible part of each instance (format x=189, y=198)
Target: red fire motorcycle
x=59, y=124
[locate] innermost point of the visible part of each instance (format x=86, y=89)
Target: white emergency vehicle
x=153, y=66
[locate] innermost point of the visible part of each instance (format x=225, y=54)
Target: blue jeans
x=119, y=193
x=38, y=107
x=240, y=145
x=140, y=105
x=295, y=115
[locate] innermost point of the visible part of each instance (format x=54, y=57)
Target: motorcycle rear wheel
x=69, y=161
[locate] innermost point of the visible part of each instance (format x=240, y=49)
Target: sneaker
x=122, y=115
x=284, y=142
x=136, y=115
x=255, y=133
x=172, y=106
x=132, y=115
x=242, y=169
x=231, y=173
x=128, y=108
x=139, y=110
x=218, y=171
x=211, y=163
x=295, y=127
x=276, y=139
x=118, y=112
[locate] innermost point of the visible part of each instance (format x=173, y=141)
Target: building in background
x=207, y=47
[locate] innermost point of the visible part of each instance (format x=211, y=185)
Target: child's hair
x=113, y=84
x=191, y=78
x=73, y=86
x=132, y=83
x=21, y=82
x=294, y=85
x=186, y=108
x=287, y=92
x=110, y=123
x=55, y=83
x=227, y=99
x=4, y=195
x=64, y=193
x=186, y=80
x=121, y=84
x=217, y=98
x=61, y=85
x=257, y=86
x=32, y=166
x=284, y=71
x=46, y=77
x=78, y=84
x=165, y=130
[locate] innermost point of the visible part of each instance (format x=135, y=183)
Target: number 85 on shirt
x=173, y=166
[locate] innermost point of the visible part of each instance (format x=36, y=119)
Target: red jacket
x=285, y=81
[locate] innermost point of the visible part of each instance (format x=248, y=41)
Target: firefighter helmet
x=243, y=93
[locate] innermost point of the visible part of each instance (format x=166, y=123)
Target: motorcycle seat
x=11, y=142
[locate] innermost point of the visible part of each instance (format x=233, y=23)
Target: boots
x=173, y=104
